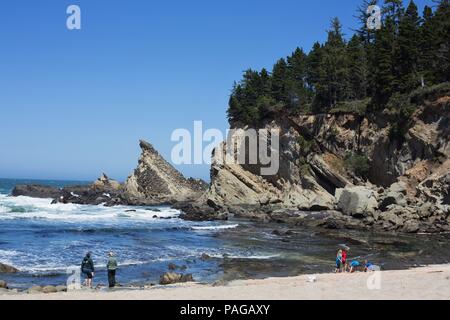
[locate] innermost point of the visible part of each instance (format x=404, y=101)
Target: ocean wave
x=32, y=208
x=221, y=227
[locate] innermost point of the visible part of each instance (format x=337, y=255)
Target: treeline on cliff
x=373, y=70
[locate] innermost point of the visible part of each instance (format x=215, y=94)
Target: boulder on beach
x=4, y=268
x=3, y=284
x=35, y=289
x=49, y=289
x=61, y=288
x=356, y=201
x=173, y=277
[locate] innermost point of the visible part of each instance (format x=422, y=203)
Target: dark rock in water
x=198, y=212
x=172, y=277
x=3, y=284
x=277, y=232
x=155, y=217
x=173, y=266
x=36, y=191
x=132, y=210
x=205, y=256
x=4, y=268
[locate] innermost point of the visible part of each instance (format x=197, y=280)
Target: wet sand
x=431, y=282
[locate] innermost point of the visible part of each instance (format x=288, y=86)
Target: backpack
x=85, y=267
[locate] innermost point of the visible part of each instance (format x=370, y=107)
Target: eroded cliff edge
x=345, y=170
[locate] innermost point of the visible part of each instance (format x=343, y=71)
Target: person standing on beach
x=87, y=267
x=338, y=261
x=112, y=267
x=344, y=259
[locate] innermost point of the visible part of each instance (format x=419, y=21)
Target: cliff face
x=406, y=185
x=156, y=181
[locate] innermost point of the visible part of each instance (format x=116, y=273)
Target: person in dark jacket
x=87, y=267
x=112, y=267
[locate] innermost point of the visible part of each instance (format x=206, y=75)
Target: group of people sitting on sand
x=343, y=266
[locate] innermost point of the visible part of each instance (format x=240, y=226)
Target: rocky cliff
x=352, y=166
x=157, y=181
x=153, y=182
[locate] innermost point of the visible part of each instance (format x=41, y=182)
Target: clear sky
x=75, y=103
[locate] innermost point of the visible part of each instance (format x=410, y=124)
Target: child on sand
x=354, y=265
x=369, y=266
x=344, y=260
x=338, y=261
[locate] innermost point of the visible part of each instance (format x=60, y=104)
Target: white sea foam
x=43, y=209
x=221, y=227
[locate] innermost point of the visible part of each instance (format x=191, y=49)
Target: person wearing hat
x=112, y=267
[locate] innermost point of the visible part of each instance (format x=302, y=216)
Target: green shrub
x=358, y=163
x=356, y=106
x=305, y=145
x=432, y=93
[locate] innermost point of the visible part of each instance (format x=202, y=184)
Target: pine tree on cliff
x=298, y=93
x=365, y=34
x=427, y=41
x=332, y=86
x=385, y=78
x=279, y=81
x=357, y=65
x=442, y=38
x=408, y=49
x=313, y=67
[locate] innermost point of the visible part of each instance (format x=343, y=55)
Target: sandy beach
x=431, y=282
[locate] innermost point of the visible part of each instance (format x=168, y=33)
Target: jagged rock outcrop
x=157, y=181
x=104, y=183
x=36, y=191
x=406, y=187
x=4, y=268
x=154, y=182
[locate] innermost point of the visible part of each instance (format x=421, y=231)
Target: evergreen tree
x=332, y=86
x=408, y=49
x=427, y=41
x=442, y=37
x=313, y=67
x=365, y=34
x=279, y=81
x=357, y=66
x=297, y=90
x=382, y=68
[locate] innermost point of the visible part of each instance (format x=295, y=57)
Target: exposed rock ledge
x=407, y=188
x=153, y=182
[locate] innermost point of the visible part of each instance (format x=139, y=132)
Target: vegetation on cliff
x=372, y=71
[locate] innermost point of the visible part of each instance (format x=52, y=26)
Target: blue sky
x=74, y=104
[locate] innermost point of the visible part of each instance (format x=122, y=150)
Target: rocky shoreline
x=405, y=188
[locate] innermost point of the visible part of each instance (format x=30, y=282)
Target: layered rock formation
x=157, y=181
x=406, y=187
x=153, y=182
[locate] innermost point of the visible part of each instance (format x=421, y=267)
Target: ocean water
x=44, y=240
